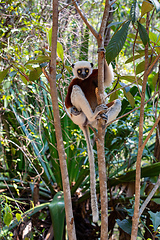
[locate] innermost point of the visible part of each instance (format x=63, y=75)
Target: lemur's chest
x=88, y=87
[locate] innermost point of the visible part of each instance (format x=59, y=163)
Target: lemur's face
x=82, y=69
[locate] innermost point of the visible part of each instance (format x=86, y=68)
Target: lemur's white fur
x=80, y=65
x=87, y=116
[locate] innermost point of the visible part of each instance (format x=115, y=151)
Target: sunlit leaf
x=7, y=216
x=49, y=36
x=131, y=79
x=153, y=37
x=18, y=216
x=60, y=51
x=146, y=7
x=35, y=74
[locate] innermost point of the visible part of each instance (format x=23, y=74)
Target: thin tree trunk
x=57, y=124
x=101, y=128
x=135, y=218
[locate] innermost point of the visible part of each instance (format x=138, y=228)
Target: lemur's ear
x=91, y=65
x=73, y=65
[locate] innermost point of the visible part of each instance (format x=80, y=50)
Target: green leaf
x=134, y=13
x=8, y=215
x=155, y=217
x=141, y=66
x=35, y=74
x=146, y=7
x=131, y=79
x=23, y=79
x=60, y=51
x=3, y=74
x=18, y=216
x=57, y=212
x=40, y=59
x=125, y=225
x=156, y=4
x=153, y=37
x=117, y=42
x=7, y=218
x=49, y=36
x=143, y=34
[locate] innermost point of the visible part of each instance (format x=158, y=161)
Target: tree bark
x=58, y=131
x=101, y=128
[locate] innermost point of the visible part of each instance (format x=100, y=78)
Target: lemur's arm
x=81, y=104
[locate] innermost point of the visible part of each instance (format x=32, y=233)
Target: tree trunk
x=60, y=146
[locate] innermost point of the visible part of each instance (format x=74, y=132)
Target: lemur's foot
x=101, y=108
x=104, y=116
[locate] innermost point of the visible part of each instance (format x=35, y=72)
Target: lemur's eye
x=87, y=70
x=79, y=71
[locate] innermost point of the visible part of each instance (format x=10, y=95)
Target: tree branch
x=91, y=28
x=149, y=197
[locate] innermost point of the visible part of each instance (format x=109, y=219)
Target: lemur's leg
x=114, y=108
x=79, y=100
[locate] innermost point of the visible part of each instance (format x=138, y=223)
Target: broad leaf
x=40, y=59
x=117, y=42
x=8, y=215
x=125, y=225
x=131, y=79
x=146, y=7
x=155, y=217
x=140, y=54
x=143, y=34
x=7, y=218
x=57, y=212
x=153, y=37
x=35, y=74
x=141, y=66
